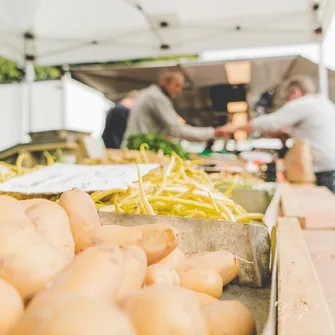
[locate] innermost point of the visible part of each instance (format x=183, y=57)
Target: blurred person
x=154, y=112
x=306, y=116
x=116, y=121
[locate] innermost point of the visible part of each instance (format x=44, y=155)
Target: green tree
x=11, y=72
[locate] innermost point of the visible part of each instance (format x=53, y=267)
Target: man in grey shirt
x=154, y=112
x=306, y=116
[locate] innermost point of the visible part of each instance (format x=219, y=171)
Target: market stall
x=150, y=245
x=207, y=220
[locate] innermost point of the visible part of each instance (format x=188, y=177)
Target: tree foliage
x=129, y=62
x=10, y=72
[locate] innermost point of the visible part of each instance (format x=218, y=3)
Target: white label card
x=59, y=178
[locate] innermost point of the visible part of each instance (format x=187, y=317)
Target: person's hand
x=225, y=131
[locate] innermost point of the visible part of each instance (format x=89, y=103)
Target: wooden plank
x=47, y=146
x=312, y=205
x=321, y=244
x=302, y=307
x=271, y=324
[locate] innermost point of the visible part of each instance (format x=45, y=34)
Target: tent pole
x=29, y=62
x=64, y=83
x=323, y=72
x=29, y=79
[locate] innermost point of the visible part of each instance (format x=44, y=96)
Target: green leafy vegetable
x=156, y=142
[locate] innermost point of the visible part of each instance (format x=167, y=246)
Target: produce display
x=239, y=180
x=9, y=171
x=126, y=156
x=156, y=143
x=76, y=276
x=178, y=189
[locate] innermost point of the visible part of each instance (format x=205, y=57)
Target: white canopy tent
x=77, y=31
x=56, y=32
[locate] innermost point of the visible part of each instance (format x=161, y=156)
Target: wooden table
x=314, y=206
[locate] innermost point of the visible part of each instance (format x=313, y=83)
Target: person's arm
x=168, y=117
x=284, y=118
x=282, y=135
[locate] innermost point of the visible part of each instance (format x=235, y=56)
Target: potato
x=32, y=251
x=84, y=218
x=161, y=274
x=225, y=263
x=10, y=210
x=229, y=318
x=204, y=299
x=157, y=240
x=52, y=222
x=134, y=269
x=11, y=307
x=119, y=235
x=26, y=204
x=73, y=315
x=174, y=258
x=203, y=281
x=165, y=310
x=28, y=260
x=96, y=272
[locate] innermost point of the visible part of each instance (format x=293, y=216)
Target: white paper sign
x=59, y=178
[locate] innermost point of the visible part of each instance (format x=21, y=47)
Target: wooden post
x=302, y=307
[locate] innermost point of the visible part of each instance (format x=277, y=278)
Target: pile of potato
x=61, y=272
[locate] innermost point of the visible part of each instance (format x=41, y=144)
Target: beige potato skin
x=158, y=274
x=174, y=258
x=11, y=210
x=11, y=307
x=229, y=318
x=26, y=204
x=30, y=254
x=69, y=314
x=224, y=262
x=165, y=310
x=134, y=269
x=157, y=240
x=203, y=281
x=29, y=261
x=51, y=221
x=204, y=299
x=83, y=216
x=96, y=272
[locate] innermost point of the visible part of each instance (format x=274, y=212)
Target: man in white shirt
x=307, y=116
x=154, y=112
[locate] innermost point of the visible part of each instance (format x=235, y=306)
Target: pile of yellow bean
x=178, y=189
x=126, y=156
x=10, y=171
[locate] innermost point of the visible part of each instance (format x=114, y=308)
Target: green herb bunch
x=156, y=142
